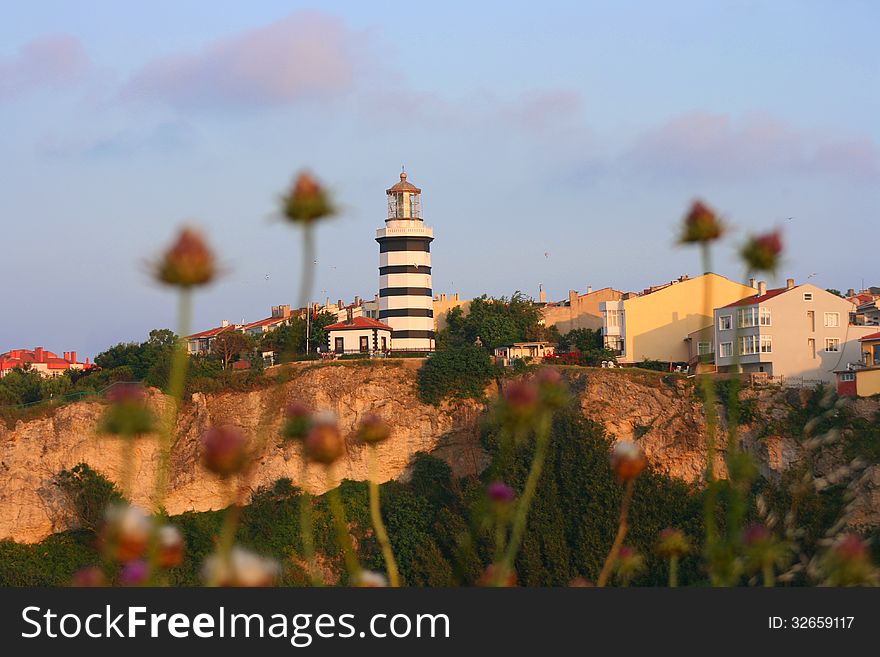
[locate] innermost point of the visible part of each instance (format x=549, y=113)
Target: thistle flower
x=89, y=577
x=134, y=573
x=128, y=414
x=847, y=563
x=701, y=224
x=126, y=531
x=627, y=460
x=672, y=543
x=307, y=201
x=242, y=568
x=500, y=493
x=629, y=564
x=368, y=579
x=324, y=443
x=224, y=450
x=489, y=577
x=299, y=421
x=372, y=429
x=580, y=583
x=520, y=404
x=170, y=546
x=551, y=388
x=761, y=253
x=188, y=262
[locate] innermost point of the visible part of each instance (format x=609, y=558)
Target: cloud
x=50, y=61
x=708, y=144
x=306, y=55
x=162, y=138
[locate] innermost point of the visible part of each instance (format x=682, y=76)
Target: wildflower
x=299, y=421
x=307, y=201
x=188, y=262
x=551, y=387
x=627, y=460
x=500, y=493
x=580, y=583
x=672, y=543
x=241, y=568
x=127, y=531
x=373, y=429
x=701, y=224
x=223, y=450
x=761, y=252
x=128, y=414
x=629, y=564
x=520, y=404
x=489, y=577
x=170, y=546
x=368, y=579
x=134, y=573
x=847, y=563
x=89, y=577
x=324, y=443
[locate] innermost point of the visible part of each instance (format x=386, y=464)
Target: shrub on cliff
x=89, y=493
x=460, y=371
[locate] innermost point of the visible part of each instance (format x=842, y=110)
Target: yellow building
x=656, y=323
x=579, y=311
x=443, y=303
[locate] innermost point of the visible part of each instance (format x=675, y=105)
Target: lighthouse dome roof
x=403, y=186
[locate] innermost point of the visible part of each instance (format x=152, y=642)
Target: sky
x=556, y=143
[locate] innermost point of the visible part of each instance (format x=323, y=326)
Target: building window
x=748, y=345
x=808, y=296
x=766, y=344
x=832, y=344
x=704, y=348
x=832, y=320
x=848, y=376
x=725, y=349
x=811, y=346
x=339, y=345
x=725, y=322
x=764, y=317
x=384, y=343
x=365, y=343
x=747, y=317
x=613, y=319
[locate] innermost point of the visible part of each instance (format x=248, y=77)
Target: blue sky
x=556, y=143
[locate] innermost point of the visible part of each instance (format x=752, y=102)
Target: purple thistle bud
x=500, y=492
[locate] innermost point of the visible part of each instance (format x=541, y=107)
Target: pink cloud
x=51, y=61
x=308, y=54
x=704, y=143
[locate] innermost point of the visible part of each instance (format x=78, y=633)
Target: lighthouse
x=405, y=296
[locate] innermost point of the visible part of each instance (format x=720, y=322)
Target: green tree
x=229, y=345
x=460, y=370
x=22, y=386
x=496, y=321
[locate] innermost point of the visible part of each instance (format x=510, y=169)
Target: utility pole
x=308, y=318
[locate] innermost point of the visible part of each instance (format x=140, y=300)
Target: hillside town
x=797, y=335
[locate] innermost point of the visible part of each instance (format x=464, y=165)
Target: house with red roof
x=797, y=333
x=359, y=335
x=47, y=363
x=200, y=343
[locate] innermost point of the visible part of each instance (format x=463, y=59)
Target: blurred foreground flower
x=171, y=546
x=134, y=573
x=188, y=262
x=761, y=253
x=89, y=577
x=242, y=568
x=489, y=577
x=298, y=421
x=372, y=429
x=307, y=201
x=701, y=224
x=128, y=414
x=672, y=545
x=847, y=563
x=369, y=579
x=500, y=493
x=629, y=564
x=627, y=460
x=126, y=532
x=324, y=443
x=224, y=450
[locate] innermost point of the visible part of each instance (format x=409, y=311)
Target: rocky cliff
x=661, y=412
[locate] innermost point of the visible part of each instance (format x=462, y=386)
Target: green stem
x=378, y=524
x=769, y=578
x=622, y=528
x=542, y=440
x=342, y=536
x=708, y=387
x=673, y=571
x=230, y=526
x=308, y=270
x=307, y=527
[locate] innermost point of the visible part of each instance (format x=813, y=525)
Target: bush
x=463, y=371
x=89, y=493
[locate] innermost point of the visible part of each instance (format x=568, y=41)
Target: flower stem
x=307, y=528
x=308, y=270
x=622, y=528
x=769, y=578
x=342, y=536
x=673, y=571
x=378, y=524
x=542, y=440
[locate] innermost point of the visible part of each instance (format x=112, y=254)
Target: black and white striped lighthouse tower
x=405, y=296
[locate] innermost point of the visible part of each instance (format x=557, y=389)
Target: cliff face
x=661, y=412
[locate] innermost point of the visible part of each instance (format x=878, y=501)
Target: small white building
x=359, y=335
x=523, y=350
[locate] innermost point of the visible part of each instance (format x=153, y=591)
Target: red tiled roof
x=265, y=322
x=861, y=298
x=210, y=333
x=20, y=357
x=358, y=323
x=748, y=301
x=872, y=336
